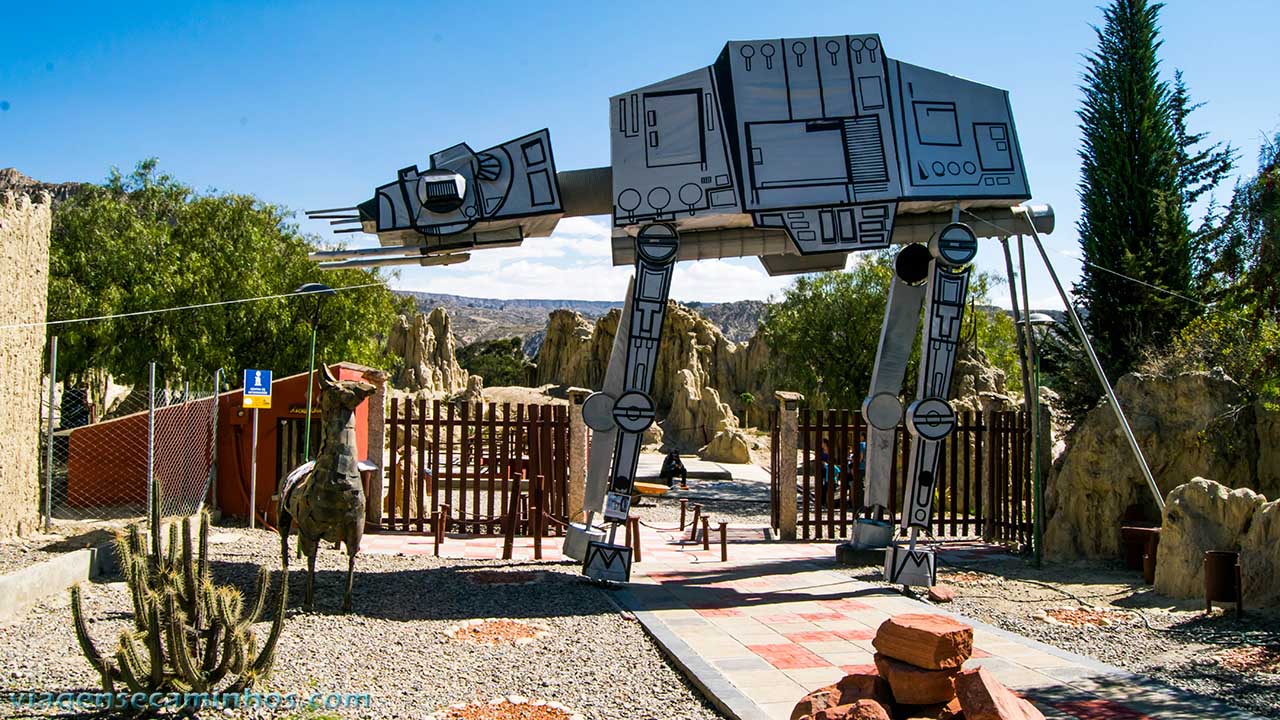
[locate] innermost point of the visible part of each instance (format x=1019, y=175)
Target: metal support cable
x=1097, y=365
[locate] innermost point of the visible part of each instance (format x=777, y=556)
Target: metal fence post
x=213, y=442
x=48, y=439
x=151, y=444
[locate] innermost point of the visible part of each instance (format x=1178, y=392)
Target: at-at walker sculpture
x=798, y=151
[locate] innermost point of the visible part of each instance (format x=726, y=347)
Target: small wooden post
x=706, y=532
x=633, y=536
x=724, y=541
x=693, y=526
x=513, y=518
x=437, y=528
x=539, y=498
x=684, y=502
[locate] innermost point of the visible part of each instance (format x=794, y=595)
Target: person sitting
x=672, y=465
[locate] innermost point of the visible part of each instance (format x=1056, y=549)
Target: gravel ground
x=1170, y=640
x=596, y=661
x=17, y=553
x=665, y=512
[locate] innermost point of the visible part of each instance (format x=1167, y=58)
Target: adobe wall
x=24, y=256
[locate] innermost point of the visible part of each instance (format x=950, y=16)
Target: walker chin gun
x=798, y=151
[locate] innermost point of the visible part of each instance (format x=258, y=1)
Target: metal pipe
x=1033, y=407
x=253, y=472
x=213, y=440
x=151, y=450
x=48, y=439
x=1097, y=366
x=1017, y=318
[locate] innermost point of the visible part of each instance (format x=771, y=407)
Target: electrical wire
x=188, y=307
x=1099, y=267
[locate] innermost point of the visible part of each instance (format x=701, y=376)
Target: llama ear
x=325, y=378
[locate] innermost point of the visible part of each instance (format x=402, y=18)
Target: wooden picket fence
x=465, y=468
x=983, y=484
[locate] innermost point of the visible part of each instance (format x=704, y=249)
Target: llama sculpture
x=328, y=500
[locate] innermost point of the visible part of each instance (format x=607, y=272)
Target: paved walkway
x=777, y=620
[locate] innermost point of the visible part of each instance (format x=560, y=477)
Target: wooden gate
x=471, y=461
x=976, y=459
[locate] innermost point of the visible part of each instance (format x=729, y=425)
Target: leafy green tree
x=1134, y=219
x=824, y=331
x=145, y=241
x=499, y=362
x=747, y=399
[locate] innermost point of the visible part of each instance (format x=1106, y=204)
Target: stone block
x=912, y=685
x=928, y=641
x=982, y=697
x=858, y=710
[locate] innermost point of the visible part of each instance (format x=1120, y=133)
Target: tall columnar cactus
x=189, y=635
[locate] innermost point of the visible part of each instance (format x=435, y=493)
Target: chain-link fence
x=103, y=462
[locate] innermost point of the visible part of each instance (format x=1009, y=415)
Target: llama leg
x=311, y=549
x=351, y=571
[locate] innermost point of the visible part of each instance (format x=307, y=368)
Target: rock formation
x=1205, y=515
x=700, y=375
x=424, y=346
x=15, y=182
x=1188, y=425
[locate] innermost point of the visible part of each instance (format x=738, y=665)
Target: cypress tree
x=1134, y=218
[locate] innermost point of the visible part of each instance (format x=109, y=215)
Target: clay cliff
x=700, y=373
x=1192, y=424
x=425, y=350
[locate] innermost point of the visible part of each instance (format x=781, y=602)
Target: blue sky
x=312, y=104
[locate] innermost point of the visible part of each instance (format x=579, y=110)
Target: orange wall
x=92, y=482
x=235, y=424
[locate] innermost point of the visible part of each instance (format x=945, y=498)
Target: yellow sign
x=257, y=389
x=261, y=402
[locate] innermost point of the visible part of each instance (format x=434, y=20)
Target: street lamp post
x=318, y=290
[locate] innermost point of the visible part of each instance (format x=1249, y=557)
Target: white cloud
x=576, y=263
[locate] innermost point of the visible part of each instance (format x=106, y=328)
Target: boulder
x=938, y=711
x=942, y=593
x=424, y=348
x=728, y=446
x=851, y=688
x=1198, y=516
x=912, y=685
x=928, y=641
x=1189, y=424
x=982, y=697
x=1260, y=557
x=857, y=710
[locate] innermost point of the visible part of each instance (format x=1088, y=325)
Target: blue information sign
x=257, y=389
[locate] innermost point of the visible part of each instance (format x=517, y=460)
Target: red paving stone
x=719, y=612
x=788, y=656
x=822, y=616
x=1098, y=710
x=844, y=605
x=851, y=669
x=814, y=636
x=855, y=634
x=780, y=619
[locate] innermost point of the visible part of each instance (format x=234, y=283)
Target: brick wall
x=24, y=257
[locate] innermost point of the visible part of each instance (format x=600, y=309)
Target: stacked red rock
x=920, y=655
x=918, y=677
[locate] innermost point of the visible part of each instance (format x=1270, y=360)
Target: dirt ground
x=1104, y=611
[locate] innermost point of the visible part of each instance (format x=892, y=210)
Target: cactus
x=189, y=635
